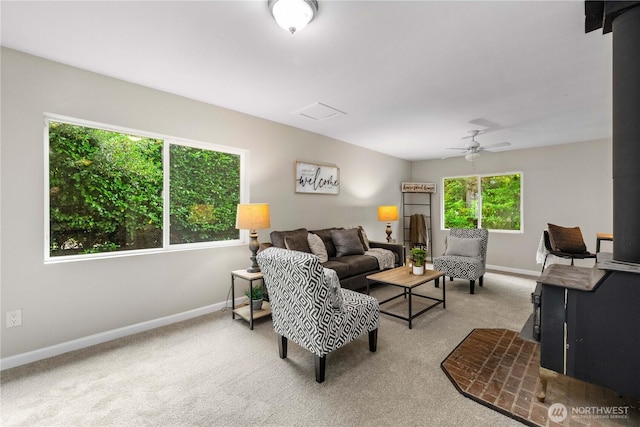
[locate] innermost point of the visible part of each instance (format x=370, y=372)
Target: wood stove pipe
x=623, y=19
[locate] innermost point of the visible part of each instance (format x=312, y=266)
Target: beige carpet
x=214, y=371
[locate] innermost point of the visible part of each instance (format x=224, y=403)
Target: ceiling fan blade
x=452, y=155
x=457, y=148
x=498, y=145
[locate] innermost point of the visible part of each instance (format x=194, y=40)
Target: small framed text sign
x=314, y=178
x=418, y=187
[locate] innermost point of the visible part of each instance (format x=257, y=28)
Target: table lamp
x=388, y=214
x=252, y=217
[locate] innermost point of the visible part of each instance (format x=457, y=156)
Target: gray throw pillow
x=297, y=243
x=364, y=240
x=317, y=247
x=459, y=246
x=347, y=242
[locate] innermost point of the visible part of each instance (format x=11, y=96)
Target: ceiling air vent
x=319, y=111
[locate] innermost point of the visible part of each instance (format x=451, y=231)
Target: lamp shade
x=252, y=216
x=387, y=213
x=293, y=15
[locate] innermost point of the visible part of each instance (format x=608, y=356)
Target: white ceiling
x=413, y=77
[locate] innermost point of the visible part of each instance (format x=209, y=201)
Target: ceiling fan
x=472, y=151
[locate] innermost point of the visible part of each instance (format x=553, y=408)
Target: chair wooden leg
x=282, y=346
x=472, y=286
x=321, y=363
x=373, y=340
x=545, y=375
x=480, y=281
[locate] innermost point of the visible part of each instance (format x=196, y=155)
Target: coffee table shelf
x=400, y=277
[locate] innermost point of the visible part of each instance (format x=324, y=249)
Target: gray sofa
x=347, y=258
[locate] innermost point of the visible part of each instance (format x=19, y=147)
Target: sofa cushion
x=297, y=243
x=566, y=239
x=339, y=267
x=359, y=264
x=347, y=242
x=277, y=237
x=317, y=247
x=459, y=246
x=325, y=235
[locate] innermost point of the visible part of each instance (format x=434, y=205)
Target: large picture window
x=486, y=201
x=112, y=191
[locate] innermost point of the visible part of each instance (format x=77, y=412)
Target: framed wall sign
x=418, y=187
x=314, y=178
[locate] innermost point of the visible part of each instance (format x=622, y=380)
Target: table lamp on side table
x=388, y=213
x=252, y=217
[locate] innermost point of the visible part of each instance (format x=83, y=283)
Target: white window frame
x=479, y=177
x=168, y=141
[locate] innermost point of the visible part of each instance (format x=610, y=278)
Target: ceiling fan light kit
x=293, y=15
x=471, y=157
x=472, y=151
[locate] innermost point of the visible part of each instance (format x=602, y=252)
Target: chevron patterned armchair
x=309, y=307
x=465, y=256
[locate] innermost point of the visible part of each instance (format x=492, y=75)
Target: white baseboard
x=77, y=344
x=514, y=270
x=508, y=270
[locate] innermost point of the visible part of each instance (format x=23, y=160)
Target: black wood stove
x=588, y=319
x=589, y=324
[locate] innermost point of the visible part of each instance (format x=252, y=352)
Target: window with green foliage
x=107, y=190
x=487, y=201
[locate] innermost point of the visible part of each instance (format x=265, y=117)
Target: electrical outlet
x=14, y=318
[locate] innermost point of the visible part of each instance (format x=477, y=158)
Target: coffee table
x=401, y=278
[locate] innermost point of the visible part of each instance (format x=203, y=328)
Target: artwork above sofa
x=348, y=251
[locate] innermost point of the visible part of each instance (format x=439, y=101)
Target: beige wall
x=69, y=301
x=568, y=185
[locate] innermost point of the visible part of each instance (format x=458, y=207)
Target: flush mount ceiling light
x=293, y=15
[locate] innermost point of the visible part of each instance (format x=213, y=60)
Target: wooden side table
x=602, y=236
x=246, y=311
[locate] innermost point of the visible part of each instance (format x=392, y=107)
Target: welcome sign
x=313, y=178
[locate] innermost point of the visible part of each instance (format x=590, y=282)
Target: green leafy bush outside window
x=488, y=201
x=106, y=192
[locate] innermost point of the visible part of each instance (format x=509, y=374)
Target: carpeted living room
x=118, y=302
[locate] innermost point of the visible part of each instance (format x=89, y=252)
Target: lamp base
x=388, y=231
x=253, y=269
x=254, y=245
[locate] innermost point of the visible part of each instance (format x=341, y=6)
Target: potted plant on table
x=419, y=255
x=255, y=295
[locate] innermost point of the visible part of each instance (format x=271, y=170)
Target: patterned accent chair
x=465, y=256
x=309, y=307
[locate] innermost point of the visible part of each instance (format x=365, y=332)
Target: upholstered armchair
x=309, y=307
x=465, y=256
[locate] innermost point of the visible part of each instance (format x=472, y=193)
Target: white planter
x=418, y=271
